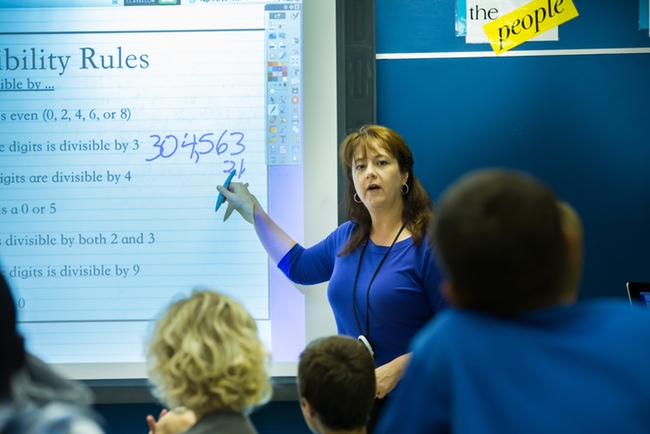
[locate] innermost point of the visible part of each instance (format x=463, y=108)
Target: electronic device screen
x=118, y=119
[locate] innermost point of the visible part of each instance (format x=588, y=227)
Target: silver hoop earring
x=356, y=198
x=407, y=189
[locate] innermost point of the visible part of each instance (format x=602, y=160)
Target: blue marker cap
x=220, y=198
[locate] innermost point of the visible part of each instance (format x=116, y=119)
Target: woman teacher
x=383, y=276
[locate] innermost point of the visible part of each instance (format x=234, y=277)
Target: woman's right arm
x=275, y=240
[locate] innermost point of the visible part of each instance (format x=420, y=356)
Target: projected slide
x=116, y=125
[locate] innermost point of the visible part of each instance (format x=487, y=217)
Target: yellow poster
x=527, y=22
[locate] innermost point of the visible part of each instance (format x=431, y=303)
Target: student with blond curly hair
x=205, y=356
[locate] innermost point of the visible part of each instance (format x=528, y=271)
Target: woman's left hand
x=388, y=375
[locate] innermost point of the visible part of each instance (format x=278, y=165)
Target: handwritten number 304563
x=205, y=144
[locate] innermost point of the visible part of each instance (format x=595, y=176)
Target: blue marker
x=220, y=198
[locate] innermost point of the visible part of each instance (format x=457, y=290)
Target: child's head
x=336, y=382
x=205, y=354
x=502, y=237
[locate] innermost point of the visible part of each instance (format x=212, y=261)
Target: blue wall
x=579, y=122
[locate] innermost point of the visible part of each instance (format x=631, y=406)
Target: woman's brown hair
x=418, y=206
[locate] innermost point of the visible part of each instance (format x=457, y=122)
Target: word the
x=478, y=13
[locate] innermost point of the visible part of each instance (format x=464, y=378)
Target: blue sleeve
x=308, y=266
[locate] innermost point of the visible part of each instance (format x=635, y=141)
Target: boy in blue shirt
x=516, y=352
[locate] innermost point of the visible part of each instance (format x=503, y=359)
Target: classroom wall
x=575, y=113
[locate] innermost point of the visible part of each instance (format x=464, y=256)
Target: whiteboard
x=117, y=124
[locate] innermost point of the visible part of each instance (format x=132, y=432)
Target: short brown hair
x=499, y=235
x=336, y=375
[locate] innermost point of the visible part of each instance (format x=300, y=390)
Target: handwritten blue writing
x=167, y=146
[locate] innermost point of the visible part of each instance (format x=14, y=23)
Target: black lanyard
x=354, y=288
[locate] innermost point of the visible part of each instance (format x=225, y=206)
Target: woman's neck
x=385, y=228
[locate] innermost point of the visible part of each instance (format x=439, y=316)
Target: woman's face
x=377, y=178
